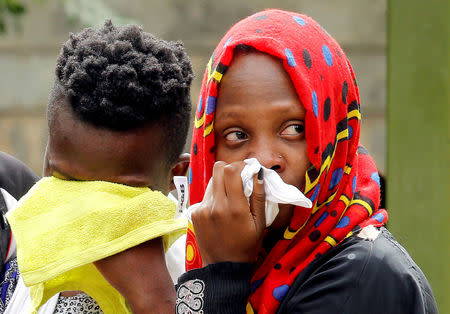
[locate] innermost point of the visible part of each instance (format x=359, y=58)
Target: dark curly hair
x=122, y=78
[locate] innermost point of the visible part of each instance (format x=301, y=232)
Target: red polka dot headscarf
x=342, y=183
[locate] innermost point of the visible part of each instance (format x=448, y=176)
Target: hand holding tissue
x=276, y=190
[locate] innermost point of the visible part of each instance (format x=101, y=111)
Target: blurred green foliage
x=85, y=12
x=92, y=13
x=10, y=8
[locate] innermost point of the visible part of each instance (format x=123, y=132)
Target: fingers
x=233, y=181
x=215, y=201
x=258, y=201
x=227, y=219
x=227, y=183
x=218, y=188
x=217, y=177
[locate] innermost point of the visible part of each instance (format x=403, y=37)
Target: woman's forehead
x=255, y=76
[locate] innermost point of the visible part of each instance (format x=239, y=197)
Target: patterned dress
x=81, y=303
x=9, y=277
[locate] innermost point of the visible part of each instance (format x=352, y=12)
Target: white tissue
x=276, y=190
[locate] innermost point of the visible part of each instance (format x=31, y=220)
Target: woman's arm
x=229, y=233
x=216, y=288
x=140, y=275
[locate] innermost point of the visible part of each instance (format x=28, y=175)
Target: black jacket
x=357, y=276
x=15, y=177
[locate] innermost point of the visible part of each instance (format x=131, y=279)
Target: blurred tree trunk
x=418, y=186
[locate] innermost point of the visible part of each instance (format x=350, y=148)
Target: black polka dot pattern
x=326, y=109
x=307, y=58
x=315, y=235
x=344, y=92
x=195, y=148
x=313, y=173
x=353, y=106
x=327, y=151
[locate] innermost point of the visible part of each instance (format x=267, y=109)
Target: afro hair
x=122, y=78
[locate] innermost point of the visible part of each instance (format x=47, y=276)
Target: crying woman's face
x=259, y=114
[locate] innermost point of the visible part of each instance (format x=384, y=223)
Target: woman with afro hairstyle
x=118, y=112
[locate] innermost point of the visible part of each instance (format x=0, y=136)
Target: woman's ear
x=180, y=168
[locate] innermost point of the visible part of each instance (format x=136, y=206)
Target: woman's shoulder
x=369, y=272
x=374, y=252
x=387, y=255
x=390, y=269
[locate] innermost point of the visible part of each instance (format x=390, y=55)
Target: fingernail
x=260, y=176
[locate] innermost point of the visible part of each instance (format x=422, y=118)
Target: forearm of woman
x=141, y=276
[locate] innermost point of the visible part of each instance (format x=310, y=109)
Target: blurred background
x=31, y=42
x=400, y=54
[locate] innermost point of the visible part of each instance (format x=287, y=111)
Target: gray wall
x=27, y=56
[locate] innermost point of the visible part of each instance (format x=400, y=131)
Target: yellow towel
x=61, y=227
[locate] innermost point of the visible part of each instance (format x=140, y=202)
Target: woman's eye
x=235, y=136
x=294, y=129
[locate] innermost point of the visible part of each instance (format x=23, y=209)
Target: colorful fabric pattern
x=343, y=181
x=8, y=282
x=80, y=303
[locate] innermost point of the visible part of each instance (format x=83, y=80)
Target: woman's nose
x=270, y=159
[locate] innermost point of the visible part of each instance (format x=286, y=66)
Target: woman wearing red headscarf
x=279, y=88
